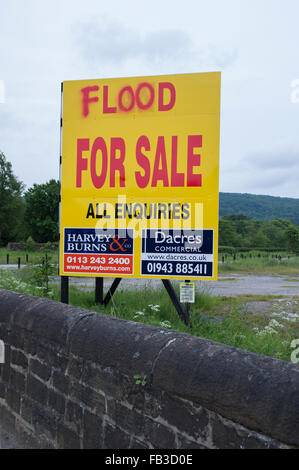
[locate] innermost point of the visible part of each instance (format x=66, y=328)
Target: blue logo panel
x=177, y=253
x=98, y=241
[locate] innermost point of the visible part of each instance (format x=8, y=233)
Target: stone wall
x=68, y=382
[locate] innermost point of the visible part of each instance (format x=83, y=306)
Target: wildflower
x=155, y=308
x=139, y=314
x=267, y=330
x=292, y=317
x=275, y=324
x=283, y=315
x=165, y=324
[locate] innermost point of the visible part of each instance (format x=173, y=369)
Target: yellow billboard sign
x=139, y=177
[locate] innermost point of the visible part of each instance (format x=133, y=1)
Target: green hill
x=259, y=207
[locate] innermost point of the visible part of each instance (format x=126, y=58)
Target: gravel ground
x=228, y=285
x=232, y=285
x=239, y=284
x=11, y=266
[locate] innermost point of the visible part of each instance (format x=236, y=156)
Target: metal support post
x=178, y=306
x=112, y=290
x=64, y=291
x=99, y=290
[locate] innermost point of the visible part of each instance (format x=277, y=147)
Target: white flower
x=292, y=317
x=270, y=330
x=277, y=314
x=275, y=324
x=267, y=330
x=155, y=308
x=138, y=314
x=165, y=324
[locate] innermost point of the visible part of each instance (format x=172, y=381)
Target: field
x=259, y=262
x=263, y=324
x=33, y=256
x=254, y=262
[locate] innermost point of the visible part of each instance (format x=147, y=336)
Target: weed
x=140, y=380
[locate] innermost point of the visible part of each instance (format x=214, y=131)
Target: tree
x=275, y=232
x=11, y=204
x=292, y=237
x=41, y=211
x=259, y=240
x=228, y=235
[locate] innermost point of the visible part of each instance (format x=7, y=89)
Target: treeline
x=32, y=215
x=238, y=231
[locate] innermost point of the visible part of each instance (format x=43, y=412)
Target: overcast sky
x=254, y=43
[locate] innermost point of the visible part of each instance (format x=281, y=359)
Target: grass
x=223, y=319
x=33, y=256
x=262, y=265
x=257, y=298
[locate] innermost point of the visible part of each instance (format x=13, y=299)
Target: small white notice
x=187, y=292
